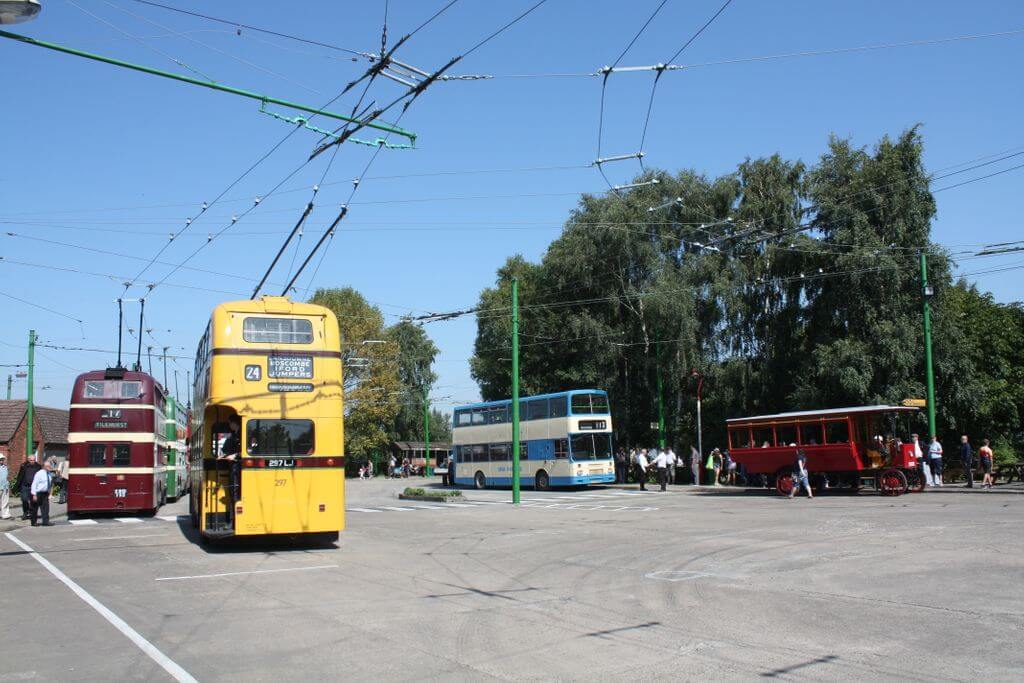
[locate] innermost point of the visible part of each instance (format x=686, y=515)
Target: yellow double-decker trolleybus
x=268, y=385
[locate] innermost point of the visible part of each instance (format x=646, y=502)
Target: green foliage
x=409, y=491
x=811, y=300
x=432, y=493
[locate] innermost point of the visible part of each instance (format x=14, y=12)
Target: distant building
x=49, y=427
x=414, y=451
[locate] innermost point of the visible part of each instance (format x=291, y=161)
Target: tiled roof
x=53, y=422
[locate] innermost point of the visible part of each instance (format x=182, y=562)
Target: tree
x=416, y=353
x=371, y=379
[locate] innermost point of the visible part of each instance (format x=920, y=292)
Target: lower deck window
x=279, y=437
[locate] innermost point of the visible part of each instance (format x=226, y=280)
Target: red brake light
x=330, y=461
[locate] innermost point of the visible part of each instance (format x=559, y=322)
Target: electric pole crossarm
x=207, y=84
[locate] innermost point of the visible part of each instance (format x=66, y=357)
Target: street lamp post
x=700, y=385
x=18, y=11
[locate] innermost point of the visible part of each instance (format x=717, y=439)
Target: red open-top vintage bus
x=117, y=458
x=845, y=447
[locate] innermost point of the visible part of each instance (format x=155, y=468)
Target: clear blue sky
x=100, y=158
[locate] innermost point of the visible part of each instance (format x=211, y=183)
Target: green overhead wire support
x=304, y=122
x=409, y=135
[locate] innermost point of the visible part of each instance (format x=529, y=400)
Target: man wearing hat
x=5, y=489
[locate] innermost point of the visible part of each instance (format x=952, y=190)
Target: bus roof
x=831, y=412
x=270, y=304
x=527, y=398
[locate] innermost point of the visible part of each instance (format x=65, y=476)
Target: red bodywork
x=116, y=454
x=835, y=441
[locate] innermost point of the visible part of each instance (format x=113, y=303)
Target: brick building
x=49, y=425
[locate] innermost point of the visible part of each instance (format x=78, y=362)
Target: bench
x=1009, y=471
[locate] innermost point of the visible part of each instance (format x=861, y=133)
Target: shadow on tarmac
x=248, y=544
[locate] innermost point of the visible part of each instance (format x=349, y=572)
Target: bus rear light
x=249, y=463
x=238, y=509
x=120, y=477
x=330, y=463
x=323, y=508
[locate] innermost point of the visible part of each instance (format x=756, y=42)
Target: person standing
x=695, y=465
x=641, y=468
x=40, y=489
x=800, y=475
x=935, y=460
x=661, y=464
x=5, y=489
x=26, y=473
x=922, y=463
x=967, y=460
x=672, y=462
x=620, y=466
x=985, y=455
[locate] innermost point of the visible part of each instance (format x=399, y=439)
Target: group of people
x=930, y=461
x=639, y=463
x=35, y=482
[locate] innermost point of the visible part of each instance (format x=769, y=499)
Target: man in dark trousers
x=40, y=489
x=230, y=450
x=26, y=474
x=620, y=466
x=967, y=460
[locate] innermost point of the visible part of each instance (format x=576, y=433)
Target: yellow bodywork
x=277, y=497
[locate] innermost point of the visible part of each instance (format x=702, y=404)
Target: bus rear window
x=122, y=455
x=279, y=437
x=112, y=389
x=591, y=446
x=277, y=331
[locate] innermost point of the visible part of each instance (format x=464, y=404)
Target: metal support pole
x=165, y=368
x=515, y=391
x=149, y=358
x=188, y=388
x=10, y=378
x=426, y=432
x=208, y=84
x=30, y=436
x=929, y=374
x=177, y=394
x=661, y=397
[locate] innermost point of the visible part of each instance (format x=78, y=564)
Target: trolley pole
x=926, y=294
x=426, y=432
x=661, y=397
x=515, y=391
x=700, y=444
x=30, y=437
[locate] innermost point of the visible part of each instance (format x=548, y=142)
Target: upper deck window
x=277, y=331
x=589, y=404
x=112, y=389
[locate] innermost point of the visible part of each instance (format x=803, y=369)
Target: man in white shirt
x=672, y=462
x=41, y=494
x=661, y=463
x=935, y=455
x=5, y=489
x=641, y=465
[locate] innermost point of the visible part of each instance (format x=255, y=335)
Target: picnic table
x=1009, y=471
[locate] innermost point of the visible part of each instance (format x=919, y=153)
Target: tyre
x=784, y=484
x=541, y=482
x=892, y=482
x=479, y=480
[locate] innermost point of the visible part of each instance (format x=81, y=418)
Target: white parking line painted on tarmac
x=77, y=522
x=458, y=505
x=116, y=538
x=165, y=662
x=254, y=571
x=361, y=510
x=128, y=520
x=171, y=518
x=406, y=509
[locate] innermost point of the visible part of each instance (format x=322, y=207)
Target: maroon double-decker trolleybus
x=846, y=448
x=117, y=448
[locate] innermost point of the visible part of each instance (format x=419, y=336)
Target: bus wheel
x=480, y=481
x=541, y=482
x=892, y=482
x=784, y=484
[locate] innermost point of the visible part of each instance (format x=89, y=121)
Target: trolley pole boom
x=208, y=84
x=29, y=432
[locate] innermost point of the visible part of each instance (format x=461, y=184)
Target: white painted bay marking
x=670, y=575
x=171, y=518
x=255, y=571
x=385, y=507
x=116, y=538
x=458, y=505
x=362, y=510
x=128, y=520
x=165, y=662
x=82, y=521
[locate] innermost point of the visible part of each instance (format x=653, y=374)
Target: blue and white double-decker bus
x=565, y=440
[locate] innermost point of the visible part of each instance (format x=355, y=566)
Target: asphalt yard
x=594, y=584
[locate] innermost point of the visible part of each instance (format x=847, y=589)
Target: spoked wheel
x=915, y=481
x=784, y=484
x=892, y=482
